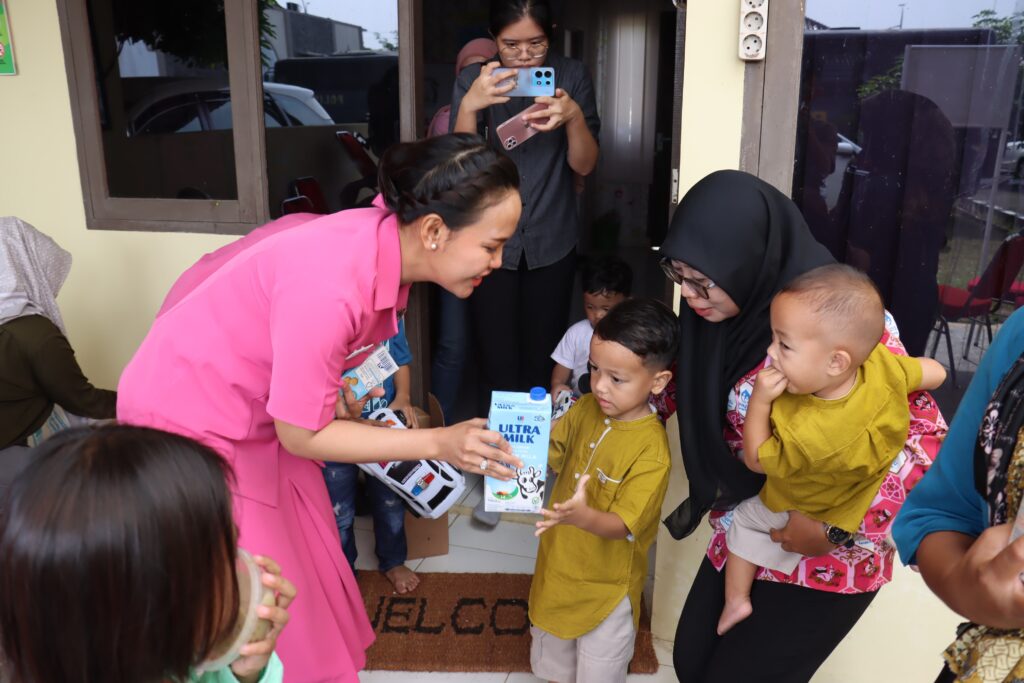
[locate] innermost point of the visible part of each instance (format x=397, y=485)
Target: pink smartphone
x=515, y=131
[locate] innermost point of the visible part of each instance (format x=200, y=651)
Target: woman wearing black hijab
x=733, y=243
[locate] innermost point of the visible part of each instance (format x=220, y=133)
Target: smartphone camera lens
x=539, y=74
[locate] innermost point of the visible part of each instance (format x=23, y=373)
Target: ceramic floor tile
x=433, y=677
x=663, y=649
x=508, y=537
x=665, y=674
x=364, y=545
x=367, y=559
x=480, y=561
x=471, y=499
x=473, y=484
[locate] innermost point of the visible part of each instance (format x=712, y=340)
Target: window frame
x=245, y=78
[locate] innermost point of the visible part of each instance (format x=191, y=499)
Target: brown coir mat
x=462, y=622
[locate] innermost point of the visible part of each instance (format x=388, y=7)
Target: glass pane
x=331, y=74
x=180, y=115
x=908, y=159
x=164, y=98
x=448, y=26
x=218, y=109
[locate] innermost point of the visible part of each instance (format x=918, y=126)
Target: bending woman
x=733, y=243
x=247, y=353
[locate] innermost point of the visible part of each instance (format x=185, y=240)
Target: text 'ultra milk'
x=525, y=422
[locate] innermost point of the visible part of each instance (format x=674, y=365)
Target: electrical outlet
x=753, y=21
x=751, y=46
x=753, y=29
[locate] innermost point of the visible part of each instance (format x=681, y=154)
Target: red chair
x=355, y=148
x=1016, y=291
x=984, y=296
x=310, y=187
x=300, y=204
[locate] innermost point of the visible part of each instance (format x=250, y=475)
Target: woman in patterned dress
x=733, y=243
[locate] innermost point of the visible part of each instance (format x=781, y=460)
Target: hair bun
x=453, y=176
x=387, y=169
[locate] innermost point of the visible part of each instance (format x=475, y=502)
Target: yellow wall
x=118, y=278
x=902, y=634
x=711, y=128
x=712, y=91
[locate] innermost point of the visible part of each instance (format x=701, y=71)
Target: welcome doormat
x=462, y=622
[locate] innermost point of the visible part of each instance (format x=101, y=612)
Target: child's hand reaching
x=573, y=511
x=558, y=389
x=255, y=655
x=349, y=407
x=769, y=385
x=404, y=404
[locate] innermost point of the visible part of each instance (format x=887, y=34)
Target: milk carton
x=525, y=422
x=371, y=373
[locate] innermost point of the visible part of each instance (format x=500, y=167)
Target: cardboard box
x=427, y=537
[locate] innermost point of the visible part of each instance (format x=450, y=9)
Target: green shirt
x=580, y=577
x=37, y=370
x=827, y=458
x=274, y=673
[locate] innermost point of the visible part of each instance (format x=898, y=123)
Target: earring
x=433, y=247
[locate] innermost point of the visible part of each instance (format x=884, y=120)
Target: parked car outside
x=196, y=105
x=1013, y=158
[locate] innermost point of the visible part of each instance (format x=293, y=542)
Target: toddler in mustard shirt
x=612, y=458
x=826, y=419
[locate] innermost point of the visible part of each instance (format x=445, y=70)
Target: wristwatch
x=837, y=536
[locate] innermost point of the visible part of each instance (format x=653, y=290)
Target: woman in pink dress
x=247, y=352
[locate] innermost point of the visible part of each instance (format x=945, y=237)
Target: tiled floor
x=509, y=547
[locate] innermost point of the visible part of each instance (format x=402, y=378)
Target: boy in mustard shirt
x=612, y=458
x=826, y=419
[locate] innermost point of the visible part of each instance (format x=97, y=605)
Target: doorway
x=634, y=54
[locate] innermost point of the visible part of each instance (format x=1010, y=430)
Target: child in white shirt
x=605, y=283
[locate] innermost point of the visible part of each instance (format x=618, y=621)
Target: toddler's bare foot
x=733, y=613
x=402, y=578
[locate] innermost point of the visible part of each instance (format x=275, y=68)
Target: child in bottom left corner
x=611, y=454
x=118, y=563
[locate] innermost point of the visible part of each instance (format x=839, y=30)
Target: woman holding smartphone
x=520, y=312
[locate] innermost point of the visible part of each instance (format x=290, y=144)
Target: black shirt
x=37, y=370
x=549, y=227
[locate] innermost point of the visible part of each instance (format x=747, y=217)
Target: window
x=177, y=115
x=209, y=115
x=909, y=160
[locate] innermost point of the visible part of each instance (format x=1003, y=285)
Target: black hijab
x=750, y=240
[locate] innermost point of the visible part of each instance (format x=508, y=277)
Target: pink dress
x=261, y=330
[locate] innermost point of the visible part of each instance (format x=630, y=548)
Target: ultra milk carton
x=525, y=422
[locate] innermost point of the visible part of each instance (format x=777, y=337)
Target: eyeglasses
x=533, y=49
x=699, y=288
